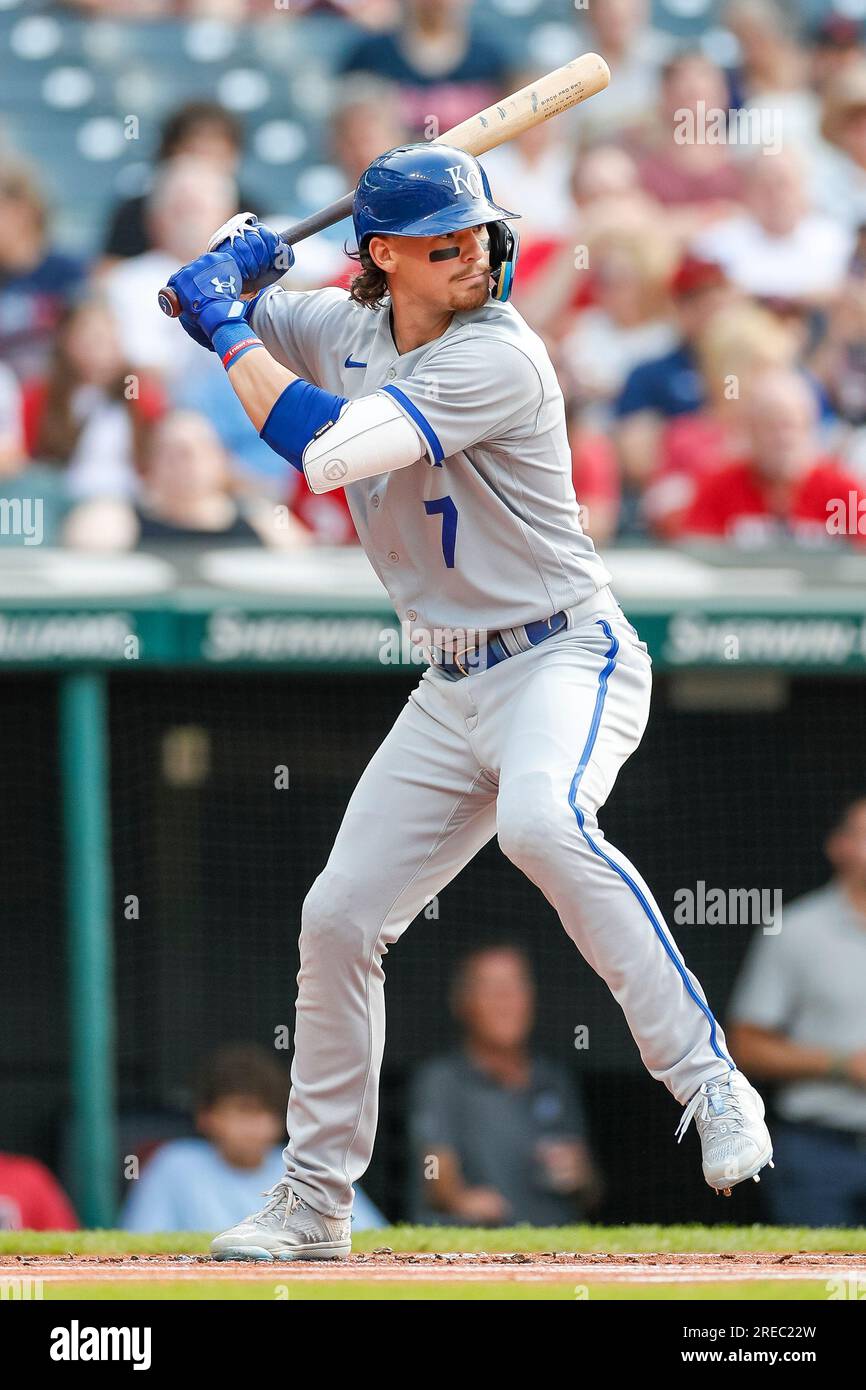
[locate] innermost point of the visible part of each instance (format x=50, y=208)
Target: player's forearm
x=258, y=382
x=288, y=412
x=777, y=1058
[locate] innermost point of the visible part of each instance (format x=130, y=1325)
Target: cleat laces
x=721, y=1114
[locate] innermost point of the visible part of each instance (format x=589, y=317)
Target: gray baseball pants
x=527, y=751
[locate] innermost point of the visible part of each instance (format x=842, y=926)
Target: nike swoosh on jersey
x=349, y=363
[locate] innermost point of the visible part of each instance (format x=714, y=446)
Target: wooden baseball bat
x=552, y=94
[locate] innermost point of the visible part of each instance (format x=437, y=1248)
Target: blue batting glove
x=208, y=290
x=259, y=252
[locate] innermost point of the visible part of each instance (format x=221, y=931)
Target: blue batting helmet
x=428, y=189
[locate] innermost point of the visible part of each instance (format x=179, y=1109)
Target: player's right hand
x=259, y=252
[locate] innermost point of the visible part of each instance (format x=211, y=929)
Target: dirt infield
x=384, y=1265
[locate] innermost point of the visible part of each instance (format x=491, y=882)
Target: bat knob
x=169, y=302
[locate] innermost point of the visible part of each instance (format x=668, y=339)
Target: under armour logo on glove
x=225, y=286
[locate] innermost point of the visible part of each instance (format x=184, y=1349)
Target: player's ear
x=381, y=253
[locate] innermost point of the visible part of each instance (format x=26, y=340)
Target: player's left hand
x=260, y=253
x=207, y=289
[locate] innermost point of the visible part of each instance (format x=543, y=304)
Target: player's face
x=448, y=272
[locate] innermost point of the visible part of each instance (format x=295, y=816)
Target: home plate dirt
x=548, y=1267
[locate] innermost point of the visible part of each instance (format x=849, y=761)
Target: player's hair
x=370, y=287
x=243, y=1069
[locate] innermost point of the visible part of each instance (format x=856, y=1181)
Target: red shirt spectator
x=738, y=503
x=595, y=472
x=325, y=514
x=31, y=1199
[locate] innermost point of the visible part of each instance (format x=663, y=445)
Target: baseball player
x=424, y=393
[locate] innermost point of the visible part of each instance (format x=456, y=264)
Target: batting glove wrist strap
x=233, y=340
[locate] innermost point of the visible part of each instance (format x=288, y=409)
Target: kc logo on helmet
x=469, y=178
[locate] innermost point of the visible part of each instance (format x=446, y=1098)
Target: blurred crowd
x=693, y=255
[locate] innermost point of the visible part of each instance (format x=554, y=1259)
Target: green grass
x=613, y=1240
x=807, y=1290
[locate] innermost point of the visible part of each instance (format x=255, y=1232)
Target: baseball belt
x=501, y=645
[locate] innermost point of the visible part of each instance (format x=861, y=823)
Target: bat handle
x=169, y=302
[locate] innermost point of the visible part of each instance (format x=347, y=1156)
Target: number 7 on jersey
x=444, y=507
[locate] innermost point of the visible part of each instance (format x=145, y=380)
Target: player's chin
x=470, y=296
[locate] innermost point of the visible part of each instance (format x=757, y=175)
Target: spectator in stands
x=778, y=246
x=797, y=1020
x=553, y=282
x=201, y=130
x=670, y=385
x=840, y=170
x=189, y=201
x=694, y=177
x=31, y=1198
x=785, y=485
x=445, y=67
x=91, y=411
x=36, y=282
x=627, y=321
x=772, y=73
x=595, y=474
x=739, y=341
x=365, y=120
x=187, y=495
x=839, y=360
x=202, y=1184
x=836, y=44
x=635, y=52
x=497, y=1133
x=324, y=516
x=33, y=495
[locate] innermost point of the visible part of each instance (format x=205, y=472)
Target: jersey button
x=411, y=614
x=374, y=500
x=392, y=372
x=393, y=556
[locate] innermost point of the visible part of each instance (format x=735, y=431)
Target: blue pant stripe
x=610, y=664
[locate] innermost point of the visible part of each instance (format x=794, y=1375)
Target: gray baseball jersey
x=486, y=533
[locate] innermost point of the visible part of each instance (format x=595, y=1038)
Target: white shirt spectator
x=809, y=261
x=838, y=186
x=102, y=464
x=539, y=189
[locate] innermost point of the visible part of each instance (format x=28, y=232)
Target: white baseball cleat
x=285, y=1229
x=729, y=1115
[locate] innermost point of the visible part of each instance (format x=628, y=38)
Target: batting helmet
x=428, y=189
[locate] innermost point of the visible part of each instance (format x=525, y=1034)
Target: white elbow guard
x=371, y=436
